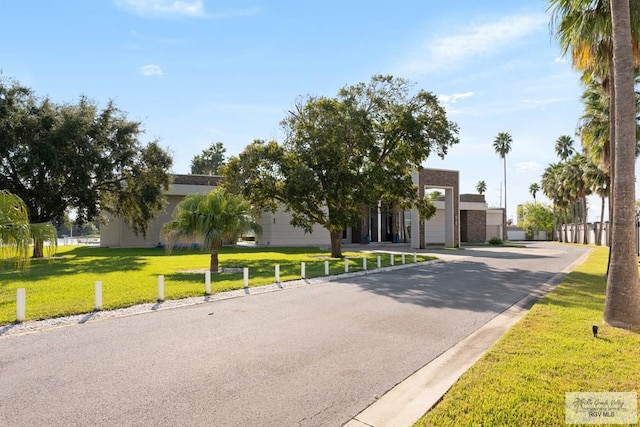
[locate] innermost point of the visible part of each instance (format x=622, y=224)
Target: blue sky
x=196, y=72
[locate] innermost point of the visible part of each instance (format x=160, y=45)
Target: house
x=459, y=218
x=116, y=233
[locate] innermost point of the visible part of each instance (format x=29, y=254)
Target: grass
x=65, y=285
x=522, y=380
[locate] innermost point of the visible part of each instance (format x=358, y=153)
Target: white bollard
x=277, y=273
x=326, y=268
x=21, y=300
x=302, y=270
x=207, y=282
x=379, y=262
x=392, y=260
x=160, y=288
x=346, y=265
x=98, y=295
x=245, y=272
x=403, y=258
x=415, y=257
x=364, y=264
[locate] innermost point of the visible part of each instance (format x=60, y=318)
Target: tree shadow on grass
x=75, y=265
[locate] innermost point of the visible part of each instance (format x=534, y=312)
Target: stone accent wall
x=473, y=226
x=441, y=178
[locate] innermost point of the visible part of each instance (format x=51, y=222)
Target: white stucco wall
x=277, y=231
x=116, y=233
x=494, y=223
x=434, y=228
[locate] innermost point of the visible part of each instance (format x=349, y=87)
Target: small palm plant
x=211, y=220
x=16, y=233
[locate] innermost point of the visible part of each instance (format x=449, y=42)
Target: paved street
x=310, y=356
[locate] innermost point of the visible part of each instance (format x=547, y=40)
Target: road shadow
x=464, y=285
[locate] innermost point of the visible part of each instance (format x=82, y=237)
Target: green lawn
x=522, y=380
x=65, y=285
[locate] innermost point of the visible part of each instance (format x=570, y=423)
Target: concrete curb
x=408, y=401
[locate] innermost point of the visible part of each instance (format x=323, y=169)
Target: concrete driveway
x=311, y=356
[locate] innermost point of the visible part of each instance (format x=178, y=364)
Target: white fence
x=575, y=233
x=73, y=241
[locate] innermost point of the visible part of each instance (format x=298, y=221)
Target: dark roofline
x=210, y=180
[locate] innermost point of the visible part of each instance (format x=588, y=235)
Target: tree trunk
x=554, y=234
x=599, y=242
x=336, y=244
x=622, y=302
x=38, y=248
x=213, y=265
x=612, y=156
x=575, y=222
x=504, y=232
x=585, y=237
x=566, y=227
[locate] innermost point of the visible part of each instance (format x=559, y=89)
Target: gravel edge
x=79, y=319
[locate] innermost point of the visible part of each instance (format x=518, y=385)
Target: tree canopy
x=209, y=161
x=78, y=157
x=536, y=217
x=343, y=153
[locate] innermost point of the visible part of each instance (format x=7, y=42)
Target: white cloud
x=453, y=98
x=450, y=51
x=560, y=60
x=530, y=166
x=163, y=7
x=151, y=70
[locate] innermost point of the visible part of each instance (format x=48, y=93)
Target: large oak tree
x=343, y=153
x=75, y=156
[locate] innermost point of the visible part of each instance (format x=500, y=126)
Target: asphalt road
x=310, y=356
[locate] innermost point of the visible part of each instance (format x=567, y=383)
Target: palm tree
x=481, y=187
x=564, y=147
x=16, y=233
x=598, y=180
x=533, y=189
x=622, y=302
x=14, y=228
x=211, y=219
x=577, y=184
x=552, y=187
x=584, y=28
x=594, y=126
x=502, y=145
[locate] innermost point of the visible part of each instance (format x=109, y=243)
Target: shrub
x=495, y=241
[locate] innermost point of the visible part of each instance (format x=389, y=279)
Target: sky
x=195, y=72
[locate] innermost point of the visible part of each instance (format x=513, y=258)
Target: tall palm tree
x=594, y=126
x=502, y=146
x=533, y=189
x=210, y=219
x=564, y=147
x=481, y=187
x=16, y=233
x=584, y=28
x=622, y=302
x=577, y=183
x=552, y=186
x=598, y=180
